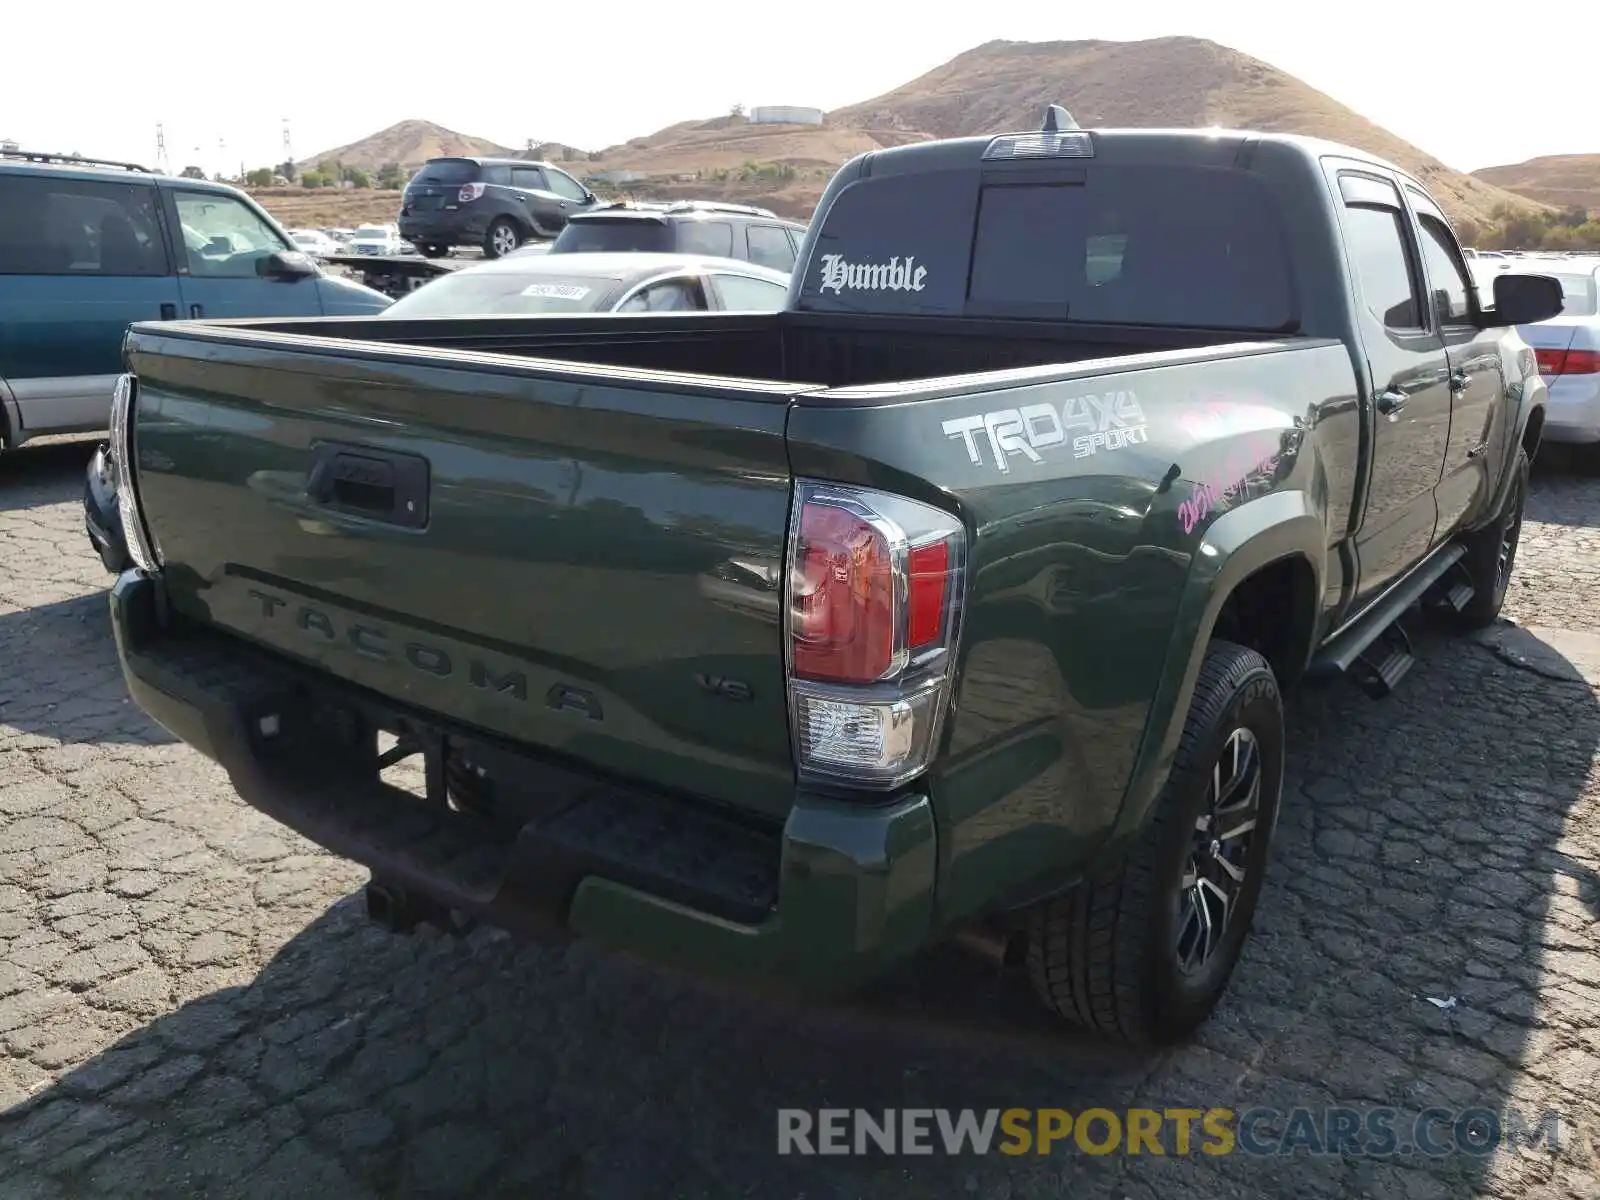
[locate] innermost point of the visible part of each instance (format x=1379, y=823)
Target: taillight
x=1550, y=361
x=875, y=588
x=142, y=546
x=1568, y=362
x=468, y=192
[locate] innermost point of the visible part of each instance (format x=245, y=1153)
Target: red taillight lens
x=1550, y=361
x=1581, y=362
x=468, y=192
x=874, y=589
x=843, y=598
x=930, y=569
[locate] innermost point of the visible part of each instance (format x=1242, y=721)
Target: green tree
x=286, y=169
x=314, y=179
x=355, y=177
x=391, y=176
x=261, y=177
x=193, y=173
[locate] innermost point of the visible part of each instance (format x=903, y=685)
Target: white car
x=1568, y=350
x=374, y=239
x=315, y=242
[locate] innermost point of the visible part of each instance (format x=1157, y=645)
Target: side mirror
x=1525, y=299
x=219, y=245
x=287, y=265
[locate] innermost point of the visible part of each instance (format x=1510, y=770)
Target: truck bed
x=784, y=347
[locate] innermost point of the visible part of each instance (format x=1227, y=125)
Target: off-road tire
x=499, y=223
x=1484, y=546
x=1104, y=955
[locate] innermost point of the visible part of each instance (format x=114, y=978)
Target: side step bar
x=1374, y=649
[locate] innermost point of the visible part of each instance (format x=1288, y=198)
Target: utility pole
x=161, y=150
x=288, y=149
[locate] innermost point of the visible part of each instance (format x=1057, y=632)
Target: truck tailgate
x=578, y=558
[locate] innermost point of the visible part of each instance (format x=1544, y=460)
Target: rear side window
x=706, y=237
x=500, y=176
x=448, y=170
x=528, y=177
x=1578, y=295
x=1135, y=245
x=1377, y=243
x=769, y=246
x=60, y=226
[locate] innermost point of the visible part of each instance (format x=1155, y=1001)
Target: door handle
x=196, y=311
x=1479, y=450
x=1459, y=381
x=169, y=312
x=1391, y=401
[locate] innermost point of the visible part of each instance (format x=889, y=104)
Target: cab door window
x=222, y=237
x=670, y=295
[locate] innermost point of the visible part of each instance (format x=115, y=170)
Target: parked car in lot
x=494, y=203
x=597, y=283
x=1568, y=351
x=88, y=247
x=959, y=595
x=688, y=227
x=314, y=242
x=373, y=239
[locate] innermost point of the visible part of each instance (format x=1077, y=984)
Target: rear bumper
x=841, y=893
x=1572, y=409
x=445, y=229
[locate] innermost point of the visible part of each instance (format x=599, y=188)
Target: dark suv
x=688, y=227
x=496, y=203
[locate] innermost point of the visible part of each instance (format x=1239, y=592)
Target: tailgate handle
x=380, y=484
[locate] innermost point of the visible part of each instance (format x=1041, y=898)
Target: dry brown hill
x=409, y=143
x=1565, y=180
x=1180, y=82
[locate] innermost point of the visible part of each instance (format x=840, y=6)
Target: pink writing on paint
x=1208, y=496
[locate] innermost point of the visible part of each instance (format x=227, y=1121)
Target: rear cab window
x=57, y=225
x=1078, y=241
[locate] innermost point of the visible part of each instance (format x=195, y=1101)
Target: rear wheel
x=1492, y=553
x=501, y=238
x=1143, y=952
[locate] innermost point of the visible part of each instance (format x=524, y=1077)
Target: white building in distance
x=785, y=114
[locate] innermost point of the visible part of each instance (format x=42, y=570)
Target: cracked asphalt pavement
x=192, y=1002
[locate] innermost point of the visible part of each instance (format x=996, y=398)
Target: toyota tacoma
x=955, y=601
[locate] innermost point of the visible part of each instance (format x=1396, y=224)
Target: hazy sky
x=96, y=78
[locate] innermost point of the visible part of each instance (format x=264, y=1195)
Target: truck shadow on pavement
x=1427, y=939
x=36, y=475
x=61, y=679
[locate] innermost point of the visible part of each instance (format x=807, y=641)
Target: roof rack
x=73, y=160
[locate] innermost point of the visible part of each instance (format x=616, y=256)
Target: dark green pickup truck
x=953, y=602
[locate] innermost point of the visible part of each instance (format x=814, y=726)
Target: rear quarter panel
x=1086, y=540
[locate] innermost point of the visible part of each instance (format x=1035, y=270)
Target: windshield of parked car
x=620, y=234
x=369, y=233
x=488, y=293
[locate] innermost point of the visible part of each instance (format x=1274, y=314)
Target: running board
x=1348, y=647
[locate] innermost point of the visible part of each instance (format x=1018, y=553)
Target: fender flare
x=1285, y=524
x=1533, y=400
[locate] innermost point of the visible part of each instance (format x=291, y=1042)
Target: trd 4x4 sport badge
x=1094, y=423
